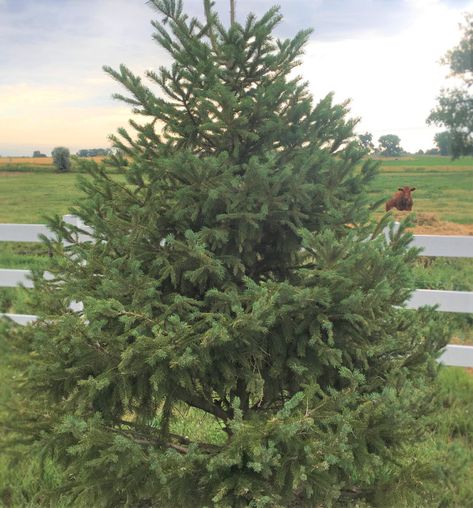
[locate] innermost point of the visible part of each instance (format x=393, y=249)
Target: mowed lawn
x=28, y=197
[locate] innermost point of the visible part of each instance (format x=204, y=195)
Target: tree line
x=389, y=145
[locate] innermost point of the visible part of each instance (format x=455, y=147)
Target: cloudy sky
x=382, y=54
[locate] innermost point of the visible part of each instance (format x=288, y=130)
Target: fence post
x=73, y=220
x=387, y=230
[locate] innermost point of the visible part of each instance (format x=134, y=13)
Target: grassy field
x=445, y=194
x=445, y=190
x=448, y=194
x=27, y=164
x=443, y=187
x=27, y=198
x=426, y=162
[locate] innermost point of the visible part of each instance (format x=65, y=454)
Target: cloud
x=55, y=91
x=393, y=80
x=382, y=53
x=50, y=41
x=41, y=117
x=21, y=98
x=73, y=127
x=330, y=19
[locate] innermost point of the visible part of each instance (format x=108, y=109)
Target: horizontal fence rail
x=21, y=319
x=13, y=278
x=431, y=245
x=456, y=355
x=447, y=301
x=10, y=278
x=24, y=232
x=444, y=246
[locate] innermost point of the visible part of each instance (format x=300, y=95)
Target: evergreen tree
x=242, y=340
x=366, y=141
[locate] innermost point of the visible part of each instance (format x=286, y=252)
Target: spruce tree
x=242, y=340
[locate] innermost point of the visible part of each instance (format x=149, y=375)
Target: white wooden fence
x=446, y=301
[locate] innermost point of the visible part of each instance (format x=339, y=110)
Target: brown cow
x=402, y=200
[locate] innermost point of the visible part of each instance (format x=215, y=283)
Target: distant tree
x=389, y=145
x=366, y=141
x=420, y=152
x=432, y=151
x=62, y=158
x=94, y=152
x=443, y=140
x=455, y=106
x=38, y=154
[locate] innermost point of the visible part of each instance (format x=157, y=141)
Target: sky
x=383, y=55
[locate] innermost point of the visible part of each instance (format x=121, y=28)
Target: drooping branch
x=201, y=403
x=175, y=441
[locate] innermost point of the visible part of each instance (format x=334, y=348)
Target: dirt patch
x=461, y=342
x=445, y=228
x=430, y=224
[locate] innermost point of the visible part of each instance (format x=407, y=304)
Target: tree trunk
x=232, y=12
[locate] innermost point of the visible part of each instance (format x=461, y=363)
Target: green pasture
x=444, y=187
x=448, y=194
x=423, y=162
x=15, y=167
x=26, y=198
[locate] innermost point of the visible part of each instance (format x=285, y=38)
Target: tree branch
x=201, y=403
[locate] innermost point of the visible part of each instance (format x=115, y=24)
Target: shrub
x=61, y=158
